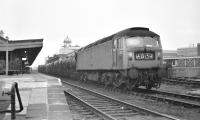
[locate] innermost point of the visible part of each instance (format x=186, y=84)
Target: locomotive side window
x=115, y=43
x=118, y=43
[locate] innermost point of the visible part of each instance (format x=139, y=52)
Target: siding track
x=174, y=98
x=182, y=81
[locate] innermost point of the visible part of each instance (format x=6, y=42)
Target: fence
x=183, y=67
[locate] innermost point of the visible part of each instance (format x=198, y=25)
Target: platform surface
x=42, y=97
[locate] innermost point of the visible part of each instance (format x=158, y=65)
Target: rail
x=132, y=106
x=13, y=110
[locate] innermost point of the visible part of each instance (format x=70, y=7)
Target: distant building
x=170, y=53
x=187, y=52
x=183, y=52
x=68, y=48
x=183, y=57
x=66, y=51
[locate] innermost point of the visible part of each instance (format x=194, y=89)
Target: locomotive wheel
x=158, y=81
x=151, y=83
x=134, y=84
x=149, y=86
x=84, y=78
x=124, y=84
x=117, y=80
x=100, y=79
x=107, y=81
x=103, y=79
x=120, y=82
x=128, y=85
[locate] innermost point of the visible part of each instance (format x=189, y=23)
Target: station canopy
x=25, y=49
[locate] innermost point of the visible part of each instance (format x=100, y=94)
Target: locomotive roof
x=135, y=31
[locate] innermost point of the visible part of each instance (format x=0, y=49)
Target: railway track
x=174, y=98
x=182, y=81
x=80, y=110
x=109, y=108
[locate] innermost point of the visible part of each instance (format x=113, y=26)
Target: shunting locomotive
x=127, y=59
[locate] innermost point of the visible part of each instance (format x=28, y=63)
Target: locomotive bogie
x=112, y=78
x=92, y=76
x=144, y=77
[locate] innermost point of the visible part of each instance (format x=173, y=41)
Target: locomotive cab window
x=142, y=41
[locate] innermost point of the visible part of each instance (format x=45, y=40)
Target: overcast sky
x=85, y=21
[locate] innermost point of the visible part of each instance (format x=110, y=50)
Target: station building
x=184, y=62
x=18, y=55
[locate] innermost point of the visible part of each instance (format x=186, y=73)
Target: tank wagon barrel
x=127, y=59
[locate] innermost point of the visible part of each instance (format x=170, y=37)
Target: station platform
x=42, y=97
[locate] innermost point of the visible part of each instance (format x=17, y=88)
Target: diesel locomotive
x=127, y=59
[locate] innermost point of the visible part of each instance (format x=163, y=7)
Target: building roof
x=20, y=44
x=26, y=40
x=28, y=48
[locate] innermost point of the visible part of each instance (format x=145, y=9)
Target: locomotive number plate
x=144, y=56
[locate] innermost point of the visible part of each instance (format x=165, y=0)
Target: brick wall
x=183, y=72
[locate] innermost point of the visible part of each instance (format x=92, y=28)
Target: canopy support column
x=7, y=64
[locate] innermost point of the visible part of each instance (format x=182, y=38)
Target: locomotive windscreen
x=142, y=42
